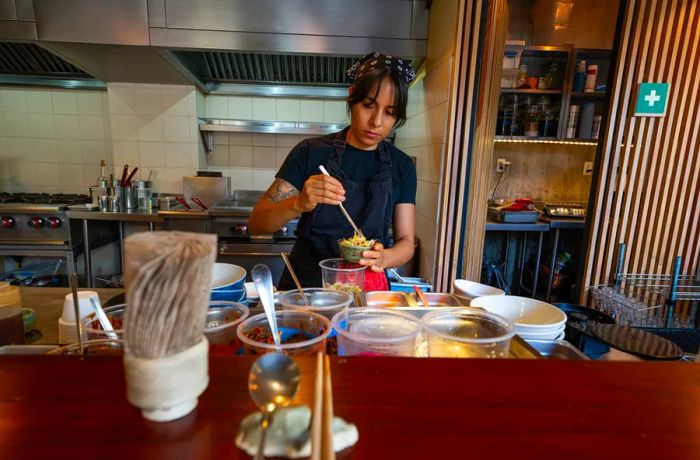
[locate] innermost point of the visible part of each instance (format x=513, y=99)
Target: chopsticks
x=294, y=277
x=328, y=453
x=342, y=208
x=322, y=422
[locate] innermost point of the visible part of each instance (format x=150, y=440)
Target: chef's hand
x=319, y=189
x=374, y=258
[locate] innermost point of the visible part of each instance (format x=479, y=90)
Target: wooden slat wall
x=470, y=139
x=459, y=128
x=649, y=168
x=482, y=153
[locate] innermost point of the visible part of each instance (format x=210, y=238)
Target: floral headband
x=381, y=61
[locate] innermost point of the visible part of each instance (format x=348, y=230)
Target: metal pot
x=166, y=202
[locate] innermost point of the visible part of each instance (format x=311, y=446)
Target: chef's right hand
x=320, y=189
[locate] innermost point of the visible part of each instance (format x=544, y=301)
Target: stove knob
x=240, y=230
x=283, y=230
x=35, y=222
x=7, y=222
x=53, y=222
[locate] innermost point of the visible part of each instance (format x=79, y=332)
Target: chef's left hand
x=374, y=258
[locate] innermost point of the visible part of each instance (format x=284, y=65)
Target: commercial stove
x=236, y=244
x=36, y=247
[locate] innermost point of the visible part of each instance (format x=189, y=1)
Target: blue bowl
x=230, y=295
x=227, y=277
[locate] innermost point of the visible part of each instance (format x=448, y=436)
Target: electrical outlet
x=587, y=168
x=501, y=165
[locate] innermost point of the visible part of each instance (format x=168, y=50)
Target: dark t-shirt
x=359, y=165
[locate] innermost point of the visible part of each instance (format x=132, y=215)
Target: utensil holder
x=145, y=198
x=168, y=388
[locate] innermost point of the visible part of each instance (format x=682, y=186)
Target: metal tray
x=557, y=349
x=388, y=299
x=438, y=299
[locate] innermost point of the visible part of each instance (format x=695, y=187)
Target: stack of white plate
x=533, y=319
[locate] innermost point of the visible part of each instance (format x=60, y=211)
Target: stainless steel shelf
x=275, y=127
x=210, y=125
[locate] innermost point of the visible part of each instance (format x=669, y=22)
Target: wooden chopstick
x=328, y=450
x=317, y=420
x=294, y=277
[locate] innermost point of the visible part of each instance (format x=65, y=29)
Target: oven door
x=247, y=255
x=41, y=265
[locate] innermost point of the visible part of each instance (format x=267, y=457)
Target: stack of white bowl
x=67, y=329
x=533, y=319
x=472, y=290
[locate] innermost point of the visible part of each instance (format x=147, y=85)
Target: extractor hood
x=292, y=47
x=24, y=62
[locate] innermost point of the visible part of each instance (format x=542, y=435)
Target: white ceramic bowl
x=551, y=335
x=529, y=315
x=472, y=290
x=227, y=276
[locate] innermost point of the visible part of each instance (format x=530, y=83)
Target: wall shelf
x=208, y=126
x=544, y=140
x=529, y=91
x=593, y=95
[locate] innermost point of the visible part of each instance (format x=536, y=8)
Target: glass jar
x=532, y=122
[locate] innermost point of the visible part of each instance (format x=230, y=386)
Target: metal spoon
x=294, y=277
x=342, y=208
x=102, y=318
x=273, y=382
x=263, y=284
x=73, y=281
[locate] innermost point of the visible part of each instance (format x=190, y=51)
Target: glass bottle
x=532, y=121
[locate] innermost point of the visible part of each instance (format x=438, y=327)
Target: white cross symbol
x=652, y=98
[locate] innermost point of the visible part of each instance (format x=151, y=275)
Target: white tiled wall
x=51, y=140
x=155, y=128
x=251, y=160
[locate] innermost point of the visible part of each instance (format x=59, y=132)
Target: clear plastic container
x=376, y=331
x=92, y=329
x=222, y=323
x=467, y=333
x=302, y=333
x=326, y=302
x=342, y=275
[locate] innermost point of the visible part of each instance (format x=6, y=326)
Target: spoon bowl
x=273, y=383
x=262, y=277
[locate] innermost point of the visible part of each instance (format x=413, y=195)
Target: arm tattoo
x=281, y=190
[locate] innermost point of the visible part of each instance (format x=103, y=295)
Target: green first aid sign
x=652, y=99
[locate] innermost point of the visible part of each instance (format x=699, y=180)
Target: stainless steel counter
x=126, y=216
x=139, y=215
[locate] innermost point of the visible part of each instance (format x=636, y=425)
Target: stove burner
x=44, y=198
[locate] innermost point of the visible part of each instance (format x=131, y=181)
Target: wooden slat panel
x=459, y=129
x=648, y=185
x=470, y=140
x=482, y=152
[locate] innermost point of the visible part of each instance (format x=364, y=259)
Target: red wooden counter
x=68, y=408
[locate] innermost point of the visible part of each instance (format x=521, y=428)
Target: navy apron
x=369, y=205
